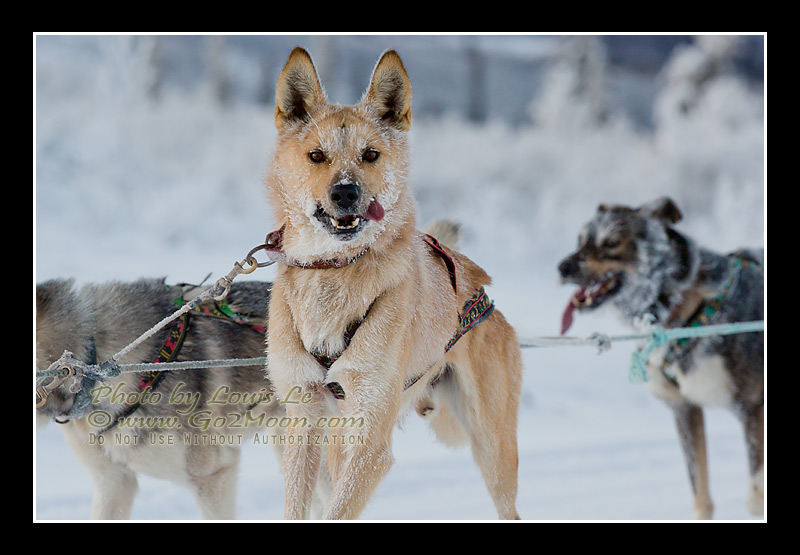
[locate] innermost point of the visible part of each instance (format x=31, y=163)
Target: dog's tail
x=447, y=232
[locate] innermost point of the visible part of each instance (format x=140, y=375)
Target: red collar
x=273, y=245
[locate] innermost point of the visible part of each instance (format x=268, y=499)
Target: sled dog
x=185, y=426
x=635, y=260
x=369, y=318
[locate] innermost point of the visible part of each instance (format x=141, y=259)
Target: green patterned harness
x=704, y=315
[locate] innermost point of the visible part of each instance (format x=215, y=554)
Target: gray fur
x=661, y=276
x=116, y=313
x=110, y=316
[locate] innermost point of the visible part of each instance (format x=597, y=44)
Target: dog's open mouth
x=597, y=292
x=591, y=296
x=347, y=226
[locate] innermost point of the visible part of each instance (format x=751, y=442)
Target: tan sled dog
x=365, y=308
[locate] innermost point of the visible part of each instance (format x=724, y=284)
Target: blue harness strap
x=702, y=316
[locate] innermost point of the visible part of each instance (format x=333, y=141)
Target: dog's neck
x=682, y=293
x=709, y=275
x=675, y=278
x=274, y=248
x=63, y=322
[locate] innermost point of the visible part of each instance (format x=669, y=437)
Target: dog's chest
x=323, y=332
x=708, y=383
x=323, y=313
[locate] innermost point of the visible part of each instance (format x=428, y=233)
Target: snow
x=128, y=187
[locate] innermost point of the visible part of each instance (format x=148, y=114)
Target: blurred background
x=150, y=153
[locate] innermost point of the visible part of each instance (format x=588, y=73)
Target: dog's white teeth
x=588, y=301
x=335, y=223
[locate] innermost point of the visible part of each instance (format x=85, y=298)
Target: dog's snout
x=345, y=195
x=568, y=267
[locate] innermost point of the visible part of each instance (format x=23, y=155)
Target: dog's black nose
x=568, y=267
x=345, y=195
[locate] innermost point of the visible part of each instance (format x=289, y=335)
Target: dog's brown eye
x=370, y=155
x=610, y=243
x=316, y=156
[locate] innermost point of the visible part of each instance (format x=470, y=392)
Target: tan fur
x=414, y=309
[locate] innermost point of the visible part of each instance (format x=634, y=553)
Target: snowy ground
x=127, y=188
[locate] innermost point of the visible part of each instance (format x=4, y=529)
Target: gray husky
x=634, y=260
x=185, y=426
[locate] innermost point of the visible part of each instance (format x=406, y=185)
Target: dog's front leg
x=298, y=379
x=302, y=453
x=362, y=455
x=371, y=373
x=115, y=485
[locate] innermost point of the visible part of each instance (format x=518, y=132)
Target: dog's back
x=105, y=318
x=197, y=416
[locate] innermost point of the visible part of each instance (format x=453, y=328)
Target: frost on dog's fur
x=338, y=184
x=307, y=122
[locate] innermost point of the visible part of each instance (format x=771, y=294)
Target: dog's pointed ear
x=389, y=91
x=298, y=90
x=663, y=209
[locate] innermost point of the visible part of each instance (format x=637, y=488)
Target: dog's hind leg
x=691, y=431
x=488, y=378
x=753, y=420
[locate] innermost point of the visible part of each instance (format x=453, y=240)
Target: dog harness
x=703, y=316
x=172, y=345
x=476, y=310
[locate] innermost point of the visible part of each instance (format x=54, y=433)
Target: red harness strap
x=172, y=346
x=437, y=248
x=151, y=379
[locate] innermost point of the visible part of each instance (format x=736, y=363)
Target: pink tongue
x=375, y=211
x=566, y=318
